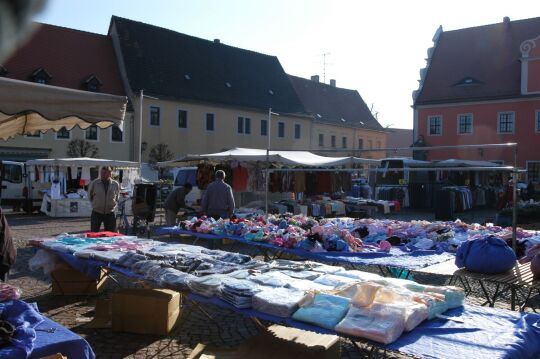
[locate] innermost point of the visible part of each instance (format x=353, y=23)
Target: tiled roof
x=169, y=64
x=334, y=105
x=69, y=56
x=478, y=63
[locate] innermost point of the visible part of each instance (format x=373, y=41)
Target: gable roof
x=70, y=56
x=173, y=65
x=334, y=105
x=477, y=63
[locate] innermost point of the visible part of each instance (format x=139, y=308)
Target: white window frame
x=499, y=122
x=527, y=168
x=333, y=142
x=246, y=121
x=206, y=122
x=177, y=119
x=97, y=134
x=537, y=121
x=429, y=125
x=150, y=116
x=61, y=138
x=458, y=121
x=321, y=137
x=111, y=133
x=240, y=125
x=344, y=142
x=284, y=129
x=299, y=131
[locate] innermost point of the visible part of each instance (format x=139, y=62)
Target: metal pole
x=514, y=203
x=269, y=133
x=140, y=128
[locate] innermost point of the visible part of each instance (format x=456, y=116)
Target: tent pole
x=514, y=202
x=269, y=133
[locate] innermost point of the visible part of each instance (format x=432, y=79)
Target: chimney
x=216, y=41
x=315, y=78
x=506, y=20
x=332, y=82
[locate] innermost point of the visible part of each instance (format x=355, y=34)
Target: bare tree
x=81, y=148
x=160, y=153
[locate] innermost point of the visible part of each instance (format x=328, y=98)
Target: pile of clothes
x=352, y=235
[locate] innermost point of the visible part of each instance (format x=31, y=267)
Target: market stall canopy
x=82, y=162
x=289, y=158
x=28, y=107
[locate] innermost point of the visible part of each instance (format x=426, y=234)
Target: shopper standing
x=176, y=200
x=218, y=200
x=103, y=193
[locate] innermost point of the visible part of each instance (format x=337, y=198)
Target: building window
x=116, y=134
x=321, y=139
x=155, y=116
x=281, y=129
x=333, y=141
x=360, y=143
x=465, y=124
x=240, y=125
x=210, y=122
x=63, y=134
x=297, y=131
x=370, y=144
x=92, y=83
x=378, y=145
x=538, y=121
x=435, y=125
x=344, y=142
x=533, y=171
x=264, y=127
x=247, y=125
x=33, y=135
x=182, y=119
x=505, y=122
x=91, y=133
x=41, y=76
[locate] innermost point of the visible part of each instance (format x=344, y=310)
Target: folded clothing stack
x=238, y=292
x=281, y=302
x=208, y=286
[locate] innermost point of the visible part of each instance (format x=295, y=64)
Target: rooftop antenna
x=324, y=65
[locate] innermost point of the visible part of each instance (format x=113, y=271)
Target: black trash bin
x=445, y=205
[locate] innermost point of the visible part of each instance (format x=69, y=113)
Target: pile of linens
x=348, y=301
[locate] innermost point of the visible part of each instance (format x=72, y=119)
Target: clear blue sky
x=376, y=48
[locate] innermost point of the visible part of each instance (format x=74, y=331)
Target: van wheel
x=28, y=207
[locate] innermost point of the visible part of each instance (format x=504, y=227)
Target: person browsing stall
x=103, y=193
x=218, y=200
x=176, y=200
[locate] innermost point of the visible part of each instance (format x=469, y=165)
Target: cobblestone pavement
x=226, y=328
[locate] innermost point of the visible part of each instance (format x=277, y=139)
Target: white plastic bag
x=44, y=260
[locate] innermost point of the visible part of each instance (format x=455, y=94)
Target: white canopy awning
x=82, y=162
x=27, y=108
x=289, y=158
x=464, y=163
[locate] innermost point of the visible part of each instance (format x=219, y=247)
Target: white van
x=185, y=175
x=16, y=189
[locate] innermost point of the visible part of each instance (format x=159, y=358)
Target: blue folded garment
x=325, y=311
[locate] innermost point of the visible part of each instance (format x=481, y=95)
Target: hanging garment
x=323, y=182
x=8, y=252
x=240, y=179
x=205, y=175
x=299, y=182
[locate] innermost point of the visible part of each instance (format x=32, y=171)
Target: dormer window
x=41, y=76
x=92, y=83
x=3, y=71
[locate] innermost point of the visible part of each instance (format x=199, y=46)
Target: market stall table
x=519, y=281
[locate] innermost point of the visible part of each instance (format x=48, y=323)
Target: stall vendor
x=176, y=200
x=103, y=193
x=218, y=200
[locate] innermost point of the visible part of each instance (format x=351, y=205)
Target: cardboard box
x=69, y=281
x=145, y=311
x=277, y=342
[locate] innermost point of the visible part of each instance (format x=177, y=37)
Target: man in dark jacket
x=175, y=200
x=218, y=200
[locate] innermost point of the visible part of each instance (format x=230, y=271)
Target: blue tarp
x=399, y=256
x=485, y=333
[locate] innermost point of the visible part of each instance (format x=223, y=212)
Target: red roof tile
x=487, y=55
x=70, y=56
